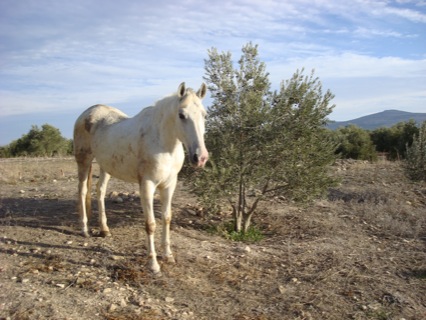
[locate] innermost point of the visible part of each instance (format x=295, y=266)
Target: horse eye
x=182, y=116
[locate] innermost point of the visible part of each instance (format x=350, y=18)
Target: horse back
x=99, y=116
x=92, y=119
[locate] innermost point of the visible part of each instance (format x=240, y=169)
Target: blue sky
x=59, y=57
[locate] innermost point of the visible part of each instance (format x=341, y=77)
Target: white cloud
x=371, y=33
x=353, y=65
x=363, y=84
x=131, y=53
x=409, y=14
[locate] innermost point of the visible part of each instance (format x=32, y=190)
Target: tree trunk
x=238, y=222
x=240, y=207
x=238, y=219
x=247, y=221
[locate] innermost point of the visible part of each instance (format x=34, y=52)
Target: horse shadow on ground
x=61, y=215
x=58, y=214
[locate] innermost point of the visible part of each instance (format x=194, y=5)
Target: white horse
x=146, y=149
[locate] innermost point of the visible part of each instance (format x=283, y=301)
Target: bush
x=415, y=164
x=355, y=143
x=393, y=141
x=46, y=141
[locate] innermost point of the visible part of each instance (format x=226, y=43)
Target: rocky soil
x=359, y=254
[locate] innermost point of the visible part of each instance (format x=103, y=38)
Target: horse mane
x=163, y=107
x=172, y=99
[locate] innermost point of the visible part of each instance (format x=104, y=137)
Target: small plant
x=227, y=230
x=379, y=314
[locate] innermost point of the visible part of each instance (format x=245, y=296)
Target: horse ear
x=181, y=90
x=201, y=93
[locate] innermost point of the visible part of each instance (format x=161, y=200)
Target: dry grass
x=360, y=254
x=15, y=170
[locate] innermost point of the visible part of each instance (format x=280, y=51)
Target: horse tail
x=89, y=194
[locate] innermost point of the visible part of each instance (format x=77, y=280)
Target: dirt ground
x=359, y=254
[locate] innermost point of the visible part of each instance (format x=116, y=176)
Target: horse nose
x=200, y=157
x=195, y=158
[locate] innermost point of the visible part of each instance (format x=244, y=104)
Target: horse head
x=191, y=117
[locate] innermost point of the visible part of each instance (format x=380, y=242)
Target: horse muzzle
x=198, y=157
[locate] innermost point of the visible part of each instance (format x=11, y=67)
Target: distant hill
x=386, y=118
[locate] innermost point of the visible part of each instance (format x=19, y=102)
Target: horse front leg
x=101, y=191
x=147, y=190
x=166, y=195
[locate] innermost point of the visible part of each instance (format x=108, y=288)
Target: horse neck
x=165, y=115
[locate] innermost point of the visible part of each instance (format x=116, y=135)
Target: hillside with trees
x=46, y=141
x=387, y=119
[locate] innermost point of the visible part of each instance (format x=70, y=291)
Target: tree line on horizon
x=353, y=142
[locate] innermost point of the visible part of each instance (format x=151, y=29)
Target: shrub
x=394, y=140
x=415, y=164
x=44, y=141
x=355, y=143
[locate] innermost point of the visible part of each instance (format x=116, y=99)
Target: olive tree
x=262, y=143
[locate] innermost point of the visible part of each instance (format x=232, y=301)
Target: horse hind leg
x=101, y=191
x=84, y=194
x=88, y=200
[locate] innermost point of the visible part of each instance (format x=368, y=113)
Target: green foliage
x=415, y=164
x=262, y=143
x=252, y=234
x=227, y=231
x=300, y=149
x=394, y=140
x=44, y=141
x=355, y=143
x=5, y=152
x=360, y=144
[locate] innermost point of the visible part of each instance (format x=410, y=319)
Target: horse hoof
x=85, y=234
x=105, y=234
x=156, y=274
x=155, y=269
x=170, y=260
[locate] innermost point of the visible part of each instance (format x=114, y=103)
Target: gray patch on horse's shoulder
x=88, y=124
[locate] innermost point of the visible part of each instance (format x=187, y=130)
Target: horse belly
x=120, y=163
x=120, y=168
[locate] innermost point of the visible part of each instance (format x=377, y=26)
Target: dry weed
x=357, y=255
x=36, y=169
